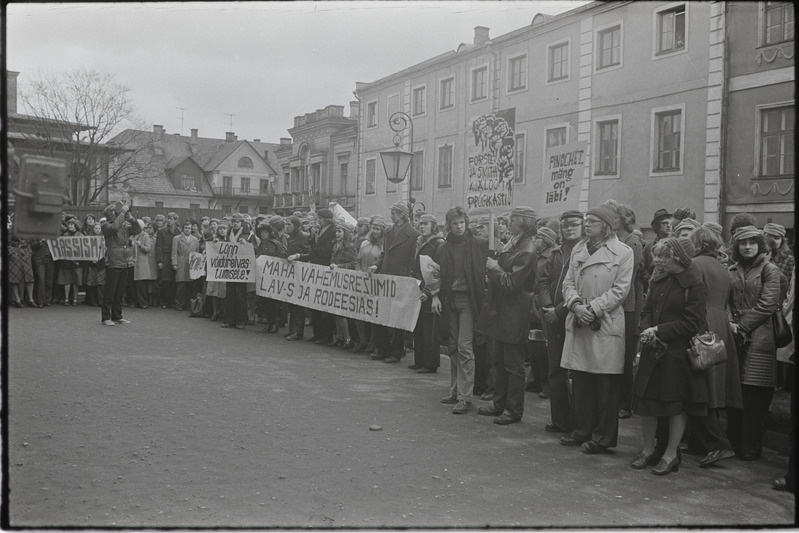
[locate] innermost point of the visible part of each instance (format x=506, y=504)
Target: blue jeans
x=461, y=349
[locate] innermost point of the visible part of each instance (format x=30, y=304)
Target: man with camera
x=117, y=229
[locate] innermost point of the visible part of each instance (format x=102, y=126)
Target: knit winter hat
x=683, y=213
x=363, y=221
x=686, y=223
x=714, y=227
x=523, y=211
x=402, y=207
x=683, y=249
x=603, y=212
x=379, y=220
x=295, y=221
x=775, y=230
x=746, y=232
x=428, y=218
x=548, y=235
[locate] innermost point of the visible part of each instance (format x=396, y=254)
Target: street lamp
x=396, y=162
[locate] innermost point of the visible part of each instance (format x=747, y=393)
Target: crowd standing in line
x=575, y=307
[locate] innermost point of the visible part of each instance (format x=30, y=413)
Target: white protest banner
x=489, y=163
x=196, y=265
x=381, y=299
x=562, y=178
x=230, y=261
x=80, y=248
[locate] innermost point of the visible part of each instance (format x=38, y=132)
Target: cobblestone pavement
x=173, y=421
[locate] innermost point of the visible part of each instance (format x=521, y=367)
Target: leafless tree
x=76, y=114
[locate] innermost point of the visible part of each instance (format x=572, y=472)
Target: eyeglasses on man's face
x=592, y=221
x=570, y=225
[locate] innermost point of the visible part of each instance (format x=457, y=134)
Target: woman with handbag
x=665, y=385
x=724, y=379
x=754, y=300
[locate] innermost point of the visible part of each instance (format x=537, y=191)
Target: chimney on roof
x=11, y=96
x=354, y=110
x=194, y=134
x=256, y=140
x=481, y=35
x=285, y=141
x=158, y=129
x=229, y=137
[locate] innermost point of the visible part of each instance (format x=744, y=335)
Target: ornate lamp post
x=396, y=162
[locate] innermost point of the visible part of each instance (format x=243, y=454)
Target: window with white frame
x=245, y=162
x=776, y=142
x=286, y=181
x=371, y=114
x=419, y=100
x=519, y=158
x=264, y=187
x=227, y=184
x=445, y=166
x=343, y=166
x=187, y=182
x=517, y=73
x=667, y=139
x=417, y=171
x=608, y=47
x=479, y=84
x=671, y=29
x=778, y=19
x=447, y=93
x=245, y=184
x=557, y=136
x=370, y=176
x=558, y=62
x=607, y=157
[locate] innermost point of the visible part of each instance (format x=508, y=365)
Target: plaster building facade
x=641, y=84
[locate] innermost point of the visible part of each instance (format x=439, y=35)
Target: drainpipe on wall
x=358, y=157
x=723, y=122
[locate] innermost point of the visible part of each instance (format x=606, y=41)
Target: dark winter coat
x=505, y=315
x=635, y=298
x=345, y=256
x=321, y=247
x=754, y=299
x=298, y=244
x=476, y=251
x=723, y=380
x=117, y=232
x=425, y=246
x=163, y=251
x=399, y=246
x=676, y=305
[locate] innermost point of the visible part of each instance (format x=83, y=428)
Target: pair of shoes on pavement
x=115, y=322
x=294, y=337
x=715, y=456
x=503, y=418
x=425, y=370
x=461, y=407
x=781, y=484
x=392, y=359
x=554, y=428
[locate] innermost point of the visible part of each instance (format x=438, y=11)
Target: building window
x=419, y=100
x=371, y=114
x=445, y=166
x=519, y=149
x=557, y=136
x=370, y=176
x=194, y=207
x=264, y=187
x=671, y=30
x=417, y=168
x=447, y=90
x=668, y=140
x=227, y=184
x=558, y=62
x=776, y=142
x=778, y=22
x=159, y=204
x=609, y=47
x=479, y=84
x=286, y=181
x=245, y=184
x=517, y=73
x=343, y=173
x=608, y=156
x=245, y=162
x=187, y=182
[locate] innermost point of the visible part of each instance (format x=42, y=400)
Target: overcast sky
x=264, y=62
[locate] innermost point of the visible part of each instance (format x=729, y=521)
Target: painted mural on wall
x=489, y=164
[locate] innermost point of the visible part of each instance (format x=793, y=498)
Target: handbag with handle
x=196, y=306
x=706, y=350
x=782, y=330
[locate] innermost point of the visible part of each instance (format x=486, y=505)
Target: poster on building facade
x=79, y=248
x=489, y=163
x=381, y=299
x=562, y=178
x=230, y=261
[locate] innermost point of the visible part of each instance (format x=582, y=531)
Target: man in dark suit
x=399, y=247
x=163, y=257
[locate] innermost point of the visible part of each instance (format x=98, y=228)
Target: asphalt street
x=174, y=421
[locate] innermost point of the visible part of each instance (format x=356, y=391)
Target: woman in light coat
x=182, y=246
x=754, y=300
x=145, y=271
x=596, y=284
x=368, y=255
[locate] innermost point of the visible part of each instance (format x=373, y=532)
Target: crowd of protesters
x=577, y=308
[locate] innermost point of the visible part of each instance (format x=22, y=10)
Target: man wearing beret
x=397, y=258
x=119, y=256
x=661, y=225
x=321, y=251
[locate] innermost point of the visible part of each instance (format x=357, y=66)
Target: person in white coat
x=596, y=284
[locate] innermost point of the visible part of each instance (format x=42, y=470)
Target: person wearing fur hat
x=321, y=251
x=396, y=260
x=426, y=355
x=70, y=273
x=118, y=229
x=596, y=284
x=754, y=300
x=296, y=244
x=665, y=384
